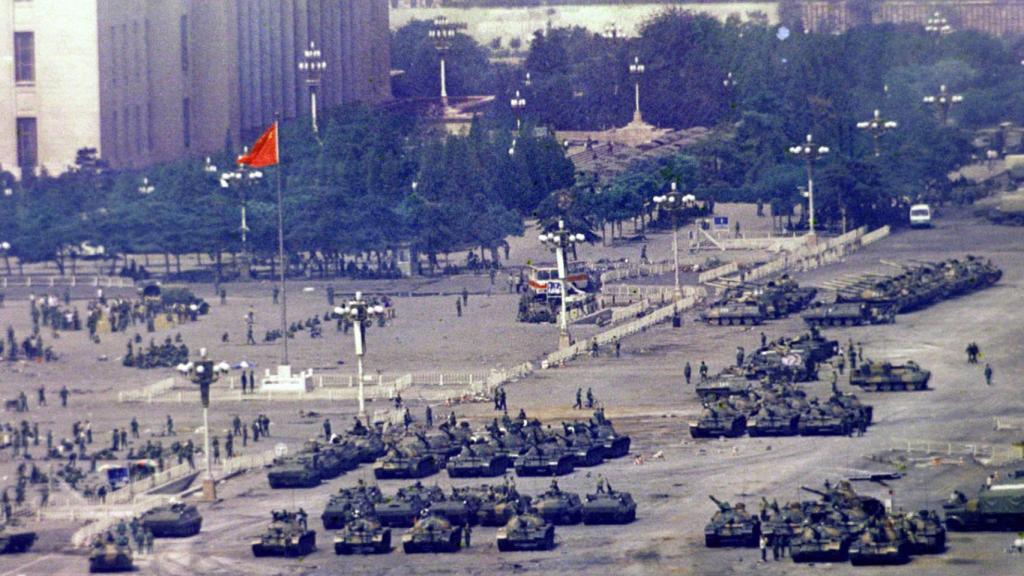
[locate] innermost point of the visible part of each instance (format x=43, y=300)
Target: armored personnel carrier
x=547, y=459
x=735, y=312
x=363, y=534
x=110, y=554
x=177, y=519
x=527, y=531
x=999, y=507
x=816, y=542
x=478, y=460
x=609, y=507
x=732, y=526
x=286, y=535
x=432, y=533
x=407, y=505
x=348, y=502
x=884, y=376
x=559, y=507
x=850, y=314
x=881, y=542
x=404, y=462
x=720, y=419
x=460, y=506
x=15, y=542
x=297, y=471
x=499, y=503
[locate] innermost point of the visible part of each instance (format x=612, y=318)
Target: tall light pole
x=938, y=25
x=636, y=70
x=313, y=66
x=518, y=103
x=943, y=101
x=241, y=178
x=5, y=247
x=443, y=34
x=558, y=241
x=877, y=127
x=204, y=373
x=146, y=188
x=809, y=152
x=673, y=203
x=359, y=311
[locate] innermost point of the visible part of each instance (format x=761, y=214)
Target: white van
x=920, y=216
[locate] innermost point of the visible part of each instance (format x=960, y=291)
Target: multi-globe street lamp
x=810, y=152
x=938, y=25
x=205, y=372
x=146, y=188
x=877, y=127
x=636, y=70
x=673, y=203
x=559, y=241
x=443, y=34
x=240, y=178
x=313, y=66
x=943, y=101
x=360, y=313
x=518, y=104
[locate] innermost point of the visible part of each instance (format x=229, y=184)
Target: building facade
x=147, y=81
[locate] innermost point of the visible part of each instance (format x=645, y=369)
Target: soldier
x=466, y=533
x=245, y=436
x=215, y=448
x=594, y=349
x=428, y=417
x=276, y=293
x=600, y=484
x=149, y=542
x=497, y=399
x=590, y=398
x=245, y=381
x=988, y=374
x=223, y=296
x=835, y=382
x=504, y=400
x=64, y=396
x=465, y=296
x=762, y=543
x=618, y=347
x=579, y=400
x=42, y=395
x=255, y=431
x=703, y=371
x=327, y=429
x=764, y=340
x=135, y=427
x=124, y=438
x=687, y=372
x=841, y=362
x=740, y=353
x=170, y=425
x=229, y=445
x=236, y=425
x=458, y=308
x=116, y=443
x=852, y=353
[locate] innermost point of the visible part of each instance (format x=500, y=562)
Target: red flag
x=265, y=152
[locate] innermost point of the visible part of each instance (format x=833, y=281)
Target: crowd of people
x=166, y=355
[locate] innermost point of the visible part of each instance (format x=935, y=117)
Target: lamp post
x=877, y=126
x=943, y=101
x=673, y=203
x=241, y=178
x=313, y=66
x=5, y=247
x=729, y=81
x=938, y=25
x=558, y=241
x=518, y=103
x=146, y=188
x=443, y=34
x=809, y=152
x=204, y=373
x=359, y=311
x=636, y=70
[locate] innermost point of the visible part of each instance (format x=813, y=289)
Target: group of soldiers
x=130, y=534
x=166, y=355
x=260, y=426
x=590, y=403
x=32, y=348
x=501, y=399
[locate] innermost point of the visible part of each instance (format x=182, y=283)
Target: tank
x=460, y=506
x=615, y=445
x=407, y=505
x=719, y=420
x=732, y=526
x=348, y=502
x=850, y=314
x=363, y=534
x=774, y=419
x=499, y=503
x=558, y=506
x=826, y=419
x=432, y=533
x=336, y=459
x=544, y=460
x=585, y=450
x=731, y=382
x=286, y=535
x=885, y=376
x=609, y=507
x=108, y=554
x=15, y=542
x=296, y=471
x=925, y=532
x=369, y=444
x=405, y=463
x=731, y=312
x=174, y=520
x=820, y=543
x=528, y=531
x=881, y=543
x=478, y=460
x=1000, y=507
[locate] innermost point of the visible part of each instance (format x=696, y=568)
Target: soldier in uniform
x=579, y=399
x=687, y=372
x=703, y=370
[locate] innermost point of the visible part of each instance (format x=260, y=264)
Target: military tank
x=15, y=542
x=609, y=506
x=544, y=460
x=731, y=382
x=348, y=502
x=735, y=312
x=820, y=543
x=885, y=376
x=403, y=462
x=732, y=526
x=774, y=419
x=615, y=445
x=460, y=506
x=558, y=506
x=296, y=471
x=585, y=450
x=110, y=554
x=718, y=420
x=925, y=532
x=286, y=535
x=850, y=314
x=335, y=459
x=173, y=520
x=478, y=460
x=527, y=531
x=880, y=543
x=407, y=505
x=363, y=534
x=499, y=503
x=826, y=419
x=432, y=533
x=369, y=444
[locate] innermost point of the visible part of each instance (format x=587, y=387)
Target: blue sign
x=721, y=222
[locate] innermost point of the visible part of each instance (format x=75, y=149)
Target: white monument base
x=285, y=381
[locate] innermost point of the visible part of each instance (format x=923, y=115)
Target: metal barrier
x=715, y=273
x=246, y=462
x=69, y=281
x=986, y=454
x=637, y=271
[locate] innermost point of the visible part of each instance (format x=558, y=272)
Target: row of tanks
x=839, y=525
x=319, y=461
x=781, y=410
x=754, y=303
x=877, y=298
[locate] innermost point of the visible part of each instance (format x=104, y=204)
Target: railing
x=875, y=235
x=657, y=294
x=246, y=462
x=988, y=454
x=69, y=281
x=146, y=394
x=715, y=273
x=637, y=271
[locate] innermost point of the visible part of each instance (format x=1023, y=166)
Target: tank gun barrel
x=723, y=506
x=813, y=491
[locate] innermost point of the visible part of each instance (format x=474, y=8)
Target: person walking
x=763, y=545
x=42, y=395
x=590, y=398
x=988, y=374
x=428, y=417
x=135, y=427
x=579, y=399
x=687, y=372
x=703, y=371
x=64, y=396
x=327, y=429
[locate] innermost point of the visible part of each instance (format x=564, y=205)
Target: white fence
x=715, y=273
x=875, y=235
x=988, y=454
x=810, y=257
x=147, y=393
x=246, y=462
x=637, y=271
x=655, y=294
x=69, y=281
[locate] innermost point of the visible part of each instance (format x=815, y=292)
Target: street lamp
x=443, y=34
x=241, y=178
x=938, y=25
x=518, y=104
x=360, y=313
x=636, y=70
x=943, y=101
x=204, y=373
x=673, y=203
x=729, y=81
x=558, y=241
x=877, y=126
x=809, y=152
x=146, y=188
x=313, y=66
x=5, y=247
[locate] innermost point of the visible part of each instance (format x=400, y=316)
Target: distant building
x=995, y=17
x=147, y=81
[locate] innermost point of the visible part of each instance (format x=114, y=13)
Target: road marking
x=24, y=566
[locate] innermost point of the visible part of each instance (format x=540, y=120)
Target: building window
x=28, y=143
x=186, y=121
x=183, y=25
x=24, y=57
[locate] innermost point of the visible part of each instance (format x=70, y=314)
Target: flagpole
x=280, y=245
